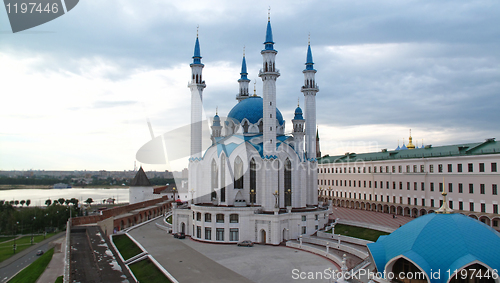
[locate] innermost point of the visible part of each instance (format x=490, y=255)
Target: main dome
x=251, y=109
x=439, y=242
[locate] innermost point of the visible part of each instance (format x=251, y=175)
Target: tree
x=103, y=201
x=74, y=201
x=67, y=202
x=61, y=201
x=28, y=202
x=89, y=201
x=48, y=202
x=16, y=202
x=23, y=202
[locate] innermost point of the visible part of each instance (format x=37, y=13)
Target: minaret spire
x=243, y=81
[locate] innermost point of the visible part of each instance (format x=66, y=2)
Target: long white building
x=409, y=181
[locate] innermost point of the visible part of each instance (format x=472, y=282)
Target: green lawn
x=169, y=219
x=31, y=273
x=23, y=243
x=4, y=239
x=146, y=271
x=358, y=232
x=125, y=246
x=59, y=279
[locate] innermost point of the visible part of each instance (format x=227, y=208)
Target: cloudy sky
x=78, y=91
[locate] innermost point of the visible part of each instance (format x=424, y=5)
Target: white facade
x=413, y=186
x=140, y=194
x=253, y=183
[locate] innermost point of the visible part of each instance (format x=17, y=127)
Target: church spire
x=269, y=33
x=197, y=53
x=309, y=59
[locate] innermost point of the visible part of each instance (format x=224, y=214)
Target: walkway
x=56, y=265
x=369, y=217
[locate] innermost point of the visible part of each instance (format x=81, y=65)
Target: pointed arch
x=215, y=179
x=245, y=127
x=223, y=178
x=288, y=182
x=253, y=181
x=238, y=173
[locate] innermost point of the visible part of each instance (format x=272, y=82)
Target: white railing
x=332, y=245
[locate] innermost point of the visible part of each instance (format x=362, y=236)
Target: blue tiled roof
x=197, y=54
x=269, y=37
x=251, y=108
x=298, y=114
x=439, y=242
x=309, y=59
x=216, y=121
x=243, y=70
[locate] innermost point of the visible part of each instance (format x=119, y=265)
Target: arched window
x=261, y=126
x=245, y=127
x=238, y=173
x=288, y=182
x=253, y=181
x=215, y=177
x=223, y=178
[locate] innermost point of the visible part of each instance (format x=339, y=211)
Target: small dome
x=216, y=121
x=251, y=108
x=298, y=114
x=439, y=242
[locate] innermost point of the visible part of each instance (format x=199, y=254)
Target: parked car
x=245, y=244
x=180, y=235
x=39, y=253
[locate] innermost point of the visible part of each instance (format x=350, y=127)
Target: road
x=13, y=265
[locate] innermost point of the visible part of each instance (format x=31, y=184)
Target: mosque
x=254, y=182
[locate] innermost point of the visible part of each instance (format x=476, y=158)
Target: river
x=39, y=196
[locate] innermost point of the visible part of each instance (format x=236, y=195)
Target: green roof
x=490, y=146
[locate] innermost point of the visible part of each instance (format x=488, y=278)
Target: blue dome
x=439, y=242
x=298, y=114
x=216, y=121
x=251, y=108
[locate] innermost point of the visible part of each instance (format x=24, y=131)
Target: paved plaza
x=191, y=261
x=369, y=217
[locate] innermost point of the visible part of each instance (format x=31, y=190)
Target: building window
x=471, y=188
x=441, y=187
x=198, y=232
x=387, y=185
x=238, y=173
x=459, y=168
x=450, y=168
x=483, y=207
x=450, y=188
x=422, y=186
x=375, y=183
x=304, y=230
x=460, y=188
x=460, y=205
x=223, y=178
x=400, y=185
x=409, y=200
x=471, y=167
x=393, y=185
x=407, y=168
x=381, y=184
x=349, y=183
x=423, y=202
x=359, y=169
x=400, y=168
x=481, y=189
x=495, y=210
x=422, y=168
x=288, y=182
x=432, y=187
x=208, y=233
x=369, y=184
x=208, y=217
x=431, y=168
x=233, y=218
x=374, y=169
x=393, y=169
x=369, y=169
x=220, y=218
x=387, y=198
x=481, y=167
x=359, y=184
x=198, y=216
x=440, y=168
x=355, y=183
x=376, y=198
x=432, y=203
x=364, y=184
x=450, y=204
x=494, y=167
x=364, y=169
x=219, y=234
x=253, y=181
x=414, y=186
x=316, y=217
x=494, y=190
x=233, y=234
x=215, y=179
x=304, y=217
x=414, y=168
x=471, y=206
x=386, y=169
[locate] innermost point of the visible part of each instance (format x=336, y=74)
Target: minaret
x=298, y=132
x=196, y=85
x=216, y=127
x=243, y=81
x=269, y=74
x=318, y=151
x=310, y=89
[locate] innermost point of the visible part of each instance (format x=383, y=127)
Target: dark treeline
x=32, y=180
x=161, y=181
x=47, y=180
x=27, y=220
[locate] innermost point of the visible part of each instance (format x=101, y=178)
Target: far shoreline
x=49, y=187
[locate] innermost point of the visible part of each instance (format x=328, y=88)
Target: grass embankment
x=169, y=219
x=126, y=246
x=146, y=271
x=4, y=239
x=358, y=232
x=59, y=279
x=6, y=248
x=31, y=273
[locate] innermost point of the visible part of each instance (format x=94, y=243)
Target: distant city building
x=410, y=181
x=254, y=182
x=141, y=189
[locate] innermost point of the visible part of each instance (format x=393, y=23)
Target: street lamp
x=174, y=193
x=288, y=201
x=15, y=246
x=32, y=229
x=192, y=196
x=252, y=196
